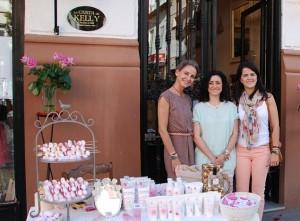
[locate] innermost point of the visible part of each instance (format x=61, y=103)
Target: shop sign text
x=86, y=18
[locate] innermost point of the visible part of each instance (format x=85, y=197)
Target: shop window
x=7, y=188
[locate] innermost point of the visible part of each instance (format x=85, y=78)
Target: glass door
x=252, y=35
x=7, y=175
x=12, y=154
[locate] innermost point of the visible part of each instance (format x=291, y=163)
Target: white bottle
x=169, y=187
x=180, y=185
x=176, y=189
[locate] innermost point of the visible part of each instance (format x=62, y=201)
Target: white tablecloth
x=81, y=215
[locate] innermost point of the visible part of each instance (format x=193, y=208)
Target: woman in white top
x=257, y=109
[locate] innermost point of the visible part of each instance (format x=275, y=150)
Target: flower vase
x=49, y=99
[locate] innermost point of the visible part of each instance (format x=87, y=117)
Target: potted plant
x=49, y=77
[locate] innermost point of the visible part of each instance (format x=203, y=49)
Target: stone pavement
x=289, y=214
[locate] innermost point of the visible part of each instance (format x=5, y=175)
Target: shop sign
x=86, y=18
x=161, y=58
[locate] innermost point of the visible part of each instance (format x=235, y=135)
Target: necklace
x=179, y=93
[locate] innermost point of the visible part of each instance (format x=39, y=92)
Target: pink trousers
x=253, y=163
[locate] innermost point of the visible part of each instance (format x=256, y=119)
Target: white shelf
x=65, y=160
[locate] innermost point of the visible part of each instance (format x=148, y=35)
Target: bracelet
x=227, y=154
x=276, y=151
x=275, y=147
x=214, y=161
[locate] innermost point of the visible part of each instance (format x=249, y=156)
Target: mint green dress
x=216, y=125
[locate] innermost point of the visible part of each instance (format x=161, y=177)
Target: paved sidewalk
x=290, y=214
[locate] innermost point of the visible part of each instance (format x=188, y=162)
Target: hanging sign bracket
x=56, y=27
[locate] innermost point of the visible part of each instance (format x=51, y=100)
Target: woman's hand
x=275, y=159
x=175, y=163
x=220, y=159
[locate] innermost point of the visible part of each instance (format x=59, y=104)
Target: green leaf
x=31, y=86
x=65, y=82
x=40, y=84
x=35, y=92
x=50, y=75
x=43, y=76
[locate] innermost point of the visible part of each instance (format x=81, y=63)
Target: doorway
x=170, y=31
x=156, y=39
x=255, y=37
x=215, y=35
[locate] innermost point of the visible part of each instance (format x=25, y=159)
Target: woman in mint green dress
x=215, y=123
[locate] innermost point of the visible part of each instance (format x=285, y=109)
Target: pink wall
x=106, y=87
x=290, y=128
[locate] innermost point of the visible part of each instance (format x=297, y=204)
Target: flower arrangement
x=50, y=76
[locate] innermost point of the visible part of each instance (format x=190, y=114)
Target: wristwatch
x=173, y=156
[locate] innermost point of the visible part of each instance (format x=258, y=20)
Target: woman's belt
x=181, y=134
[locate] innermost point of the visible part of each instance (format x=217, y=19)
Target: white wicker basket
x=189, y=173
x=240, y=214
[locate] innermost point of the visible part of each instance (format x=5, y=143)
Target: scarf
x=249, y=124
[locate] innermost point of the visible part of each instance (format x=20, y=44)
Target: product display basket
x=240, y=214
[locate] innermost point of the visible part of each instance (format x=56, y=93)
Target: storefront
x=121, y=68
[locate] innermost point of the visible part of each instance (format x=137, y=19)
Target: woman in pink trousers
x=258, y=144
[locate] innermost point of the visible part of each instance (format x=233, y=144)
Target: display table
x=81, y=215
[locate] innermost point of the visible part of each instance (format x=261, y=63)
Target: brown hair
x=185, y=63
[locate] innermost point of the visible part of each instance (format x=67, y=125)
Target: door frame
x=18, y=12
x=143, y=50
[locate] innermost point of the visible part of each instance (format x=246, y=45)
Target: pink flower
x=67, y=61
x=63, y=60
x=58, y=56
x=70, y=60
x=29, y=61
